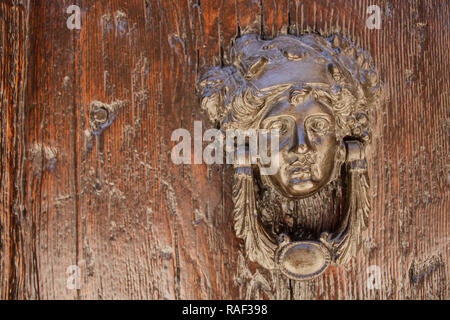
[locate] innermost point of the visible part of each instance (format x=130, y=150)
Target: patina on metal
x=320, y=93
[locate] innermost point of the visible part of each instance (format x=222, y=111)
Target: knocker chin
x=320, y=95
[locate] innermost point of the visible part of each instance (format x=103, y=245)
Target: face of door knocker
x=317, y=97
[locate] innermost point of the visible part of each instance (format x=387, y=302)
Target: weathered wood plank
x=13, y=30
x=49, y=221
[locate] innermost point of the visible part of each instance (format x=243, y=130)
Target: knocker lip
x=302, y=260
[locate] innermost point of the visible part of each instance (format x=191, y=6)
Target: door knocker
x=320, y=93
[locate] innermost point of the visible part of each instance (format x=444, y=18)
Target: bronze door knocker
x=320, y=94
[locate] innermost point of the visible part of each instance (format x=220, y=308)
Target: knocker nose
x=302, y=148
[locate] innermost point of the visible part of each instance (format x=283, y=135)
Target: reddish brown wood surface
x=139, y=226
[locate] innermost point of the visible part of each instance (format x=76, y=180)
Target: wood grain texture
x=140, y=227
x=13, y=26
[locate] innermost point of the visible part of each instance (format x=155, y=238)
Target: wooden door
x=88, y=188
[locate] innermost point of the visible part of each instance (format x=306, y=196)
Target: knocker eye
x=319, y=125
x=278, y=127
